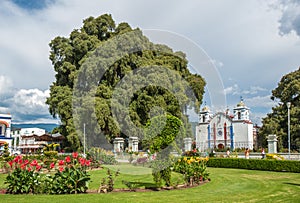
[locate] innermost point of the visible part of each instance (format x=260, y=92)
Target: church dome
x=205, y=108
x=240, y=104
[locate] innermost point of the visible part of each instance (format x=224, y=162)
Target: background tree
x=68, y=54
x=288, y=90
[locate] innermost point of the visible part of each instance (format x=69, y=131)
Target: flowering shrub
x=193, y=169
x=24, y=177
x=70, y=177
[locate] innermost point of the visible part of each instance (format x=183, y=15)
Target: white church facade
x=222, y=130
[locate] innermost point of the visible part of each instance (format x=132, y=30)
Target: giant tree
x=86, y=89
x=276, y=122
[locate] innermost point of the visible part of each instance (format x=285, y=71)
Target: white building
x=32, y=140
x=222, y=130
x=5, y=128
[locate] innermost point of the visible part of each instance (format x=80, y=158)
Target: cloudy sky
x=251, y=43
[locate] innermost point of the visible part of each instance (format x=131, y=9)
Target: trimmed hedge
x=255, y=164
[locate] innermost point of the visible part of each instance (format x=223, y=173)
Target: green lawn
x=227, y=185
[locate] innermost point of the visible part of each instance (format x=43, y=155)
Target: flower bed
x=69, y=176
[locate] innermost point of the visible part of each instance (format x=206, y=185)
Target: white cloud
x=232, y=90
x=5, y=84
x=236, y=90
x=31, y=101
x=261, y=102
x=290, y=19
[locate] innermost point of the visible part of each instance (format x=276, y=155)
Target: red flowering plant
x=71, y=176
x=23, y=177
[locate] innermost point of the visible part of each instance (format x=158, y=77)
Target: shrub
x=192, y=168
x=256, y=164
x=107, y=184
x=24, y=176
x=103, y=156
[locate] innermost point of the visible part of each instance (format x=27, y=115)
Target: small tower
x=241, y=112
x=205, y=115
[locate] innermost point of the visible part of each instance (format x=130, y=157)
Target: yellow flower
x=179, y=160
x=189, y=161
x=184, y=158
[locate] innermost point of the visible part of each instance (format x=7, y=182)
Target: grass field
x=227, y=185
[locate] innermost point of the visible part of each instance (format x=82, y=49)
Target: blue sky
x=252, y=44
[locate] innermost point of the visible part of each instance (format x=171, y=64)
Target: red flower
x=34, y=163
x=82, y=161
x=61, y=169
x=16, y=160
x=52, y=165
x=29, y=169
x=10, y=163
x=38, y=167
x=61, y=162
x=75, y=155
x=68, y=159
x=87, y=162
x=20, y=161
x=23, y=166
x=26, y=162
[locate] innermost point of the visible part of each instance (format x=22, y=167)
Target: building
x=222, y=130
x=5, y=127
x=32, y=140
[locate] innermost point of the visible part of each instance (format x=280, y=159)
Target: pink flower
x=68, y=159
x=52, y=165
x=75, y=155
x=61, y=162
x=34, y=163
x=61, y=169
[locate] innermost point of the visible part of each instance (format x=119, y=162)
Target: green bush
x=256, y=164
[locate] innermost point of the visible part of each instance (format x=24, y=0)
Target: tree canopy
x=276, y=122
x=85, y=90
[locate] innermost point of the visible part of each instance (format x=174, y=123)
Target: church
x=222, y=130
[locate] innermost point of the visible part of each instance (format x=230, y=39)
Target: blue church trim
x=231, y=137
x=208, y=135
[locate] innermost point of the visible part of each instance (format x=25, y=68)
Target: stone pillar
x=272, y=144
x=133, y=143
x=187, y=144
x=118, y=144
